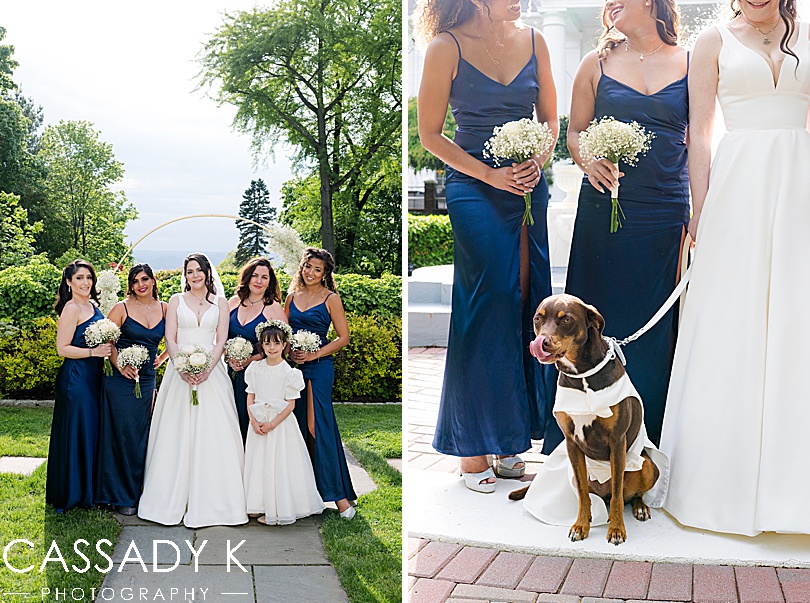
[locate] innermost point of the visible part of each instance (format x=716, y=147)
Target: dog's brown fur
x=573, y=332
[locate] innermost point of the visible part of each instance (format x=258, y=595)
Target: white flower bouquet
x=134, y=355
x=239, y=349
x=102, y=331
x=193, y=360
x=519, y=140
x=108, y=287
x=614, y=140
x=306, y=341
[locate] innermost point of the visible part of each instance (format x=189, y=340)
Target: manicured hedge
x=28, y=361
x=430, y=240
x=28, y=292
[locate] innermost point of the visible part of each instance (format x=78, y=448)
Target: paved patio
x=466, y=547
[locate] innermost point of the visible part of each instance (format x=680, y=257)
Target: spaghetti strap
x=533, y=48
x=688, y=60
x=601, y=68
x=450, y=33
x=125, y=308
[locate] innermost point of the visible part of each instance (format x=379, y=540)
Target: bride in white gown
x=735, y=427
x=194, y=457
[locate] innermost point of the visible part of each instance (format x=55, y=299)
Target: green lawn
x=366, y=551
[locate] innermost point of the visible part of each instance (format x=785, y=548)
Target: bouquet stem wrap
x=615, y=209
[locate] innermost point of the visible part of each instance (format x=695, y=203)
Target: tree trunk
x=327, y=224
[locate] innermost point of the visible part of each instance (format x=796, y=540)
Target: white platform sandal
x=505, y=467
x=476, y=481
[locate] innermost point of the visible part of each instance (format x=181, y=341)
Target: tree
x=81, y=170
x=16, y=235
x=7, y=64
x=322, y=74
x=255, y=206
x=420, y=158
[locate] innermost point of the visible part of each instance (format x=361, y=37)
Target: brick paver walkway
x=441, y=571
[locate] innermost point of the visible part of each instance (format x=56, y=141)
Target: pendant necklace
x=640, y=55
x=498, y=43
x=202, y=301
x=766, y=41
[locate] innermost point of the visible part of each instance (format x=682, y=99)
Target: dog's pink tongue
x=536, y=349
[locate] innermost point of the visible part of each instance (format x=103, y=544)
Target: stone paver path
x=465, y=573
x=22, y=465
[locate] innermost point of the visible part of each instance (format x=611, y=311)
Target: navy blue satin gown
x=246, y=331
x=629, y=274
x=331, y=471
x=124, y=421
x=74, y=430
x=495, y=396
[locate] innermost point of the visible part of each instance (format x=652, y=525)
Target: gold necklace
x=148, y=308
x=766, y=41
x=640, y=55
x=498, y=43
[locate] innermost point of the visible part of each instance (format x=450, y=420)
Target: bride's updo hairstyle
x=64, y=294
x=787, y=12
x=432, y=17
x=135, y=271
x=273, y=291
x=206, y=268
x=328, y=267
x=667, y=22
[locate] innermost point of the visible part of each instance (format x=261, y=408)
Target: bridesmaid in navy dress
x=312, y=305
x=257, y=298
x=124, y=418
x=74, y=430
x=491, y=69
x=637, y=73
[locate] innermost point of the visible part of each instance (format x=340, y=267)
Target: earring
x=68, y=288
x=646, y=4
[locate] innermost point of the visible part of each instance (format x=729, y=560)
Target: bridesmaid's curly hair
x=667, y=22
x=787, y=12
x=311, y=253
x=206, y=268
x=271, y=294
x=64, y=294
x=135, y=271
x=432, y=17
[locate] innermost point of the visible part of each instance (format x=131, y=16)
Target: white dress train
x=735, y=427
x=194, y=457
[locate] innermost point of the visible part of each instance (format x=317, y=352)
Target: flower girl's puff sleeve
x=250, y=378
x=294, y=385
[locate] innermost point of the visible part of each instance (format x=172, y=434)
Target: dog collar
x=613, y=351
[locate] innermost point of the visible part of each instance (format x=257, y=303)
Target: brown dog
x=569, y=334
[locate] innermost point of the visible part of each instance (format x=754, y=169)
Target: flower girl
x=279, y=480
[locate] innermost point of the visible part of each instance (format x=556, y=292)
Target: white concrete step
x=428, y=324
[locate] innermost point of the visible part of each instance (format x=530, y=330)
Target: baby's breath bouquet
x=108, y=287
x=614, y=140
x=102, y=331
x=134, y=355
x=193, y=360
x=305, y=341
x=239, y=349
x=519, y=140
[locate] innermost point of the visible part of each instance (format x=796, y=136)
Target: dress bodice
x=661, y=173
x=78, y=335
x=134, y=333
x=748, y=96
x=315, y=320
x=247, y=330
x=480, y=103
x=189, y=332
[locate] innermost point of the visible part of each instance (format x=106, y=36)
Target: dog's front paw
x=579, y=531
x=640, y=510
x=616, y=535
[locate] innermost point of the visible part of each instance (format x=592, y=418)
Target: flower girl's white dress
x=279, y=480
x=194, y=456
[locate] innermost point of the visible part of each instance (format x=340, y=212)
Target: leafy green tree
x=255, y=206
x=16, y=234
x=420, y=158
x=322, y=74
x=81, y=171
x=7, y=64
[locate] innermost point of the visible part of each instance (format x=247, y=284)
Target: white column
x=554, y=33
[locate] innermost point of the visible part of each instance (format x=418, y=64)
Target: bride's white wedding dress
x=735, y=428
x=194, y=458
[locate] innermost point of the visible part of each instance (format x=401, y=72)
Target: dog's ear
x=595, y=319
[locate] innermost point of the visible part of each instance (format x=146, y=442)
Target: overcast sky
x=129, y=68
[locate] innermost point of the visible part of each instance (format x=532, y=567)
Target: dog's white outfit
x=552, y=497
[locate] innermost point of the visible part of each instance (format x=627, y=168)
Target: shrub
x=28, y=291
x=369, y=369
x=430, y=240
x=29, y=362
x=364, y=295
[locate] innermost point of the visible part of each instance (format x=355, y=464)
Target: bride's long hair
x=206, y=268
x=787, y=12
x=667, y=23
